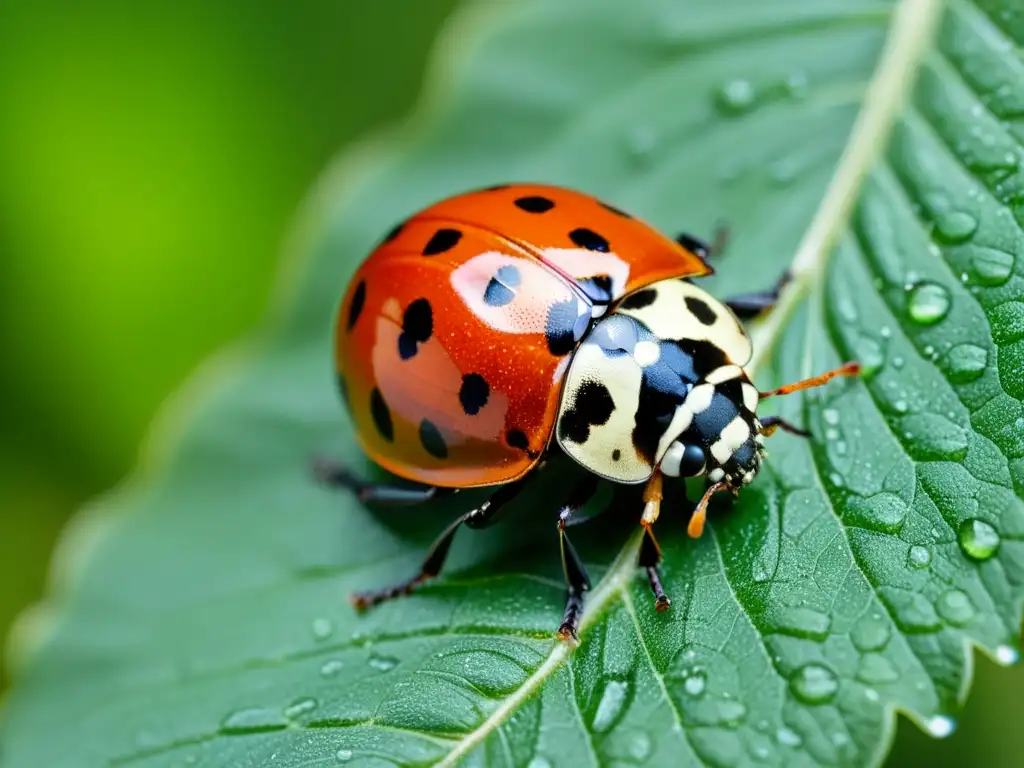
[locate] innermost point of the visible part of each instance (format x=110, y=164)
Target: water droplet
x=788, y=737
x=952, y=227
x=382, y=663
x=869, y=352
x=900, y=406
x=871, y=694
x=322, y=628
x=731, y=713
x=955, y=607
x=814, y=684
x=836, y=479
x=871, y=633
x=875, y=669
x=640, y=747
x=782, y=172
x=331, y=667
x=343, y=755
x=695, y=684
x=252, y=720
x=919, y=557
x=736, y=97
x=978, y=539
x=610, y=707
x=300, y=707
x=797, y=85
x=840, y=739
x=882, y=512
x=928, y=304
x=801, y=622
x=990, y=266
x=966, y=362
x=941, y=726
x=831, y=416
x=1007, y=655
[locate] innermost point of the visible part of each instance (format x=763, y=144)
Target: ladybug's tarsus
x=650, y=557
x=337, y=475
x=770, y=423
x=577, y=582
x=748, y=306
x=703, y=248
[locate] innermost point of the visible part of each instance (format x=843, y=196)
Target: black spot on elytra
x=593, y=406
x=355, y=308
x=395, y=232
x=443, y=240
x=616, y=454
x=615, y=210
x=417, y=327
x=500, y=288
x=641, y=299
x=559, y=329
x=701, y=310
x=589, y=239
x=535, y=204
x=433, y=442
x=517, y=439
x=381, y=415
x=473, y=393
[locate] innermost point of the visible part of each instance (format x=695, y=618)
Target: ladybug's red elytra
x=497, y=326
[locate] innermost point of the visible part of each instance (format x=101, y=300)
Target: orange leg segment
x=849, y=369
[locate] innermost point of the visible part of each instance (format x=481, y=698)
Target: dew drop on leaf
x=539, y=762
x=966, y=362
x=695, y=684
x=300, y=707
x=1007, y=655
x=797, y=85
x=382, y=663
x=736, y=97
x=919, y=557
x=871, y=633
x=252, y=720
x=814, y=684
x=610, y=707
x=978, y=539
x=941, y=726
x=875, y=669
x=343, y=755
x=928, y=304
x=788, y=737
x=883, y=512
x=953, y=227
x=955, y=607
x=871, y=356
x=640, y=747
x=331, y=667
x=322, y=629
x=990, y=266
x=731, y=713
x=801, y=622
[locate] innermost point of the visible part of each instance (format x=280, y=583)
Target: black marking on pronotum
x=417, y=327
x=592, y=406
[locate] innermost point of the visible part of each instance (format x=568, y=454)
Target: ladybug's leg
x=576, y=580
x=480, y=517
x=650, y=557
x=770, y=423
x=747, y=306
x=704, y=249
x=336, y=475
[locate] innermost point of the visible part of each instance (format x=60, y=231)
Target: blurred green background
x=152, y=156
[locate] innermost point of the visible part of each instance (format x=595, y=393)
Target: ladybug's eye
x=683, y=460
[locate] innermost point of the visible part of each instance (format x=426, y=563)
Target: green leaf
x=199, y=615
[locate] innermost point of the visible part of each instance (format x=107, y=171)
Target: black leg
x=747, y=306
x=770, y=423
x=480, y=517
x=576, y=580
x=650, y=557
x=337, y=476
x=703, y=249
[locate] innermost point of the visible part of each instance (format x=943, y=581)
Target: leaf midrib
x=910, y=35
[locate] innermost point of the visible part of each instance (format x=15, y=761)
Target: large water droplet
x=300, y=707
x=875, y=669
x=814, y=684
x=331, y=667
x=928, y=303
x=941, y=726
x=252, y=720
x=966, y=362
x=955, y=607
x=871, y=633
x=801, y=622
x=610, y=707
x=343, y=755
x=382, y=663
x=1007, y=655
x=952, y=227
x=990, y=266
x=919, y=557
x=736, y=97
x=322, y=628
x=978, y=539
x=882, y=512
x=695, y=684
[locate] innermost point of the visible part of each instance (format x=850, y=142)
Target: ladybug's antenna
x=849, y=369
x=696, y=526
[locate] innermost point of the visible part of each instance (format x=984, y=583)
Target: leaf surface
x=199, y=614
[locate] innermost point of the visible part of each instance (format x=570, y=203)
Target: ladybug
x=498, y=326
